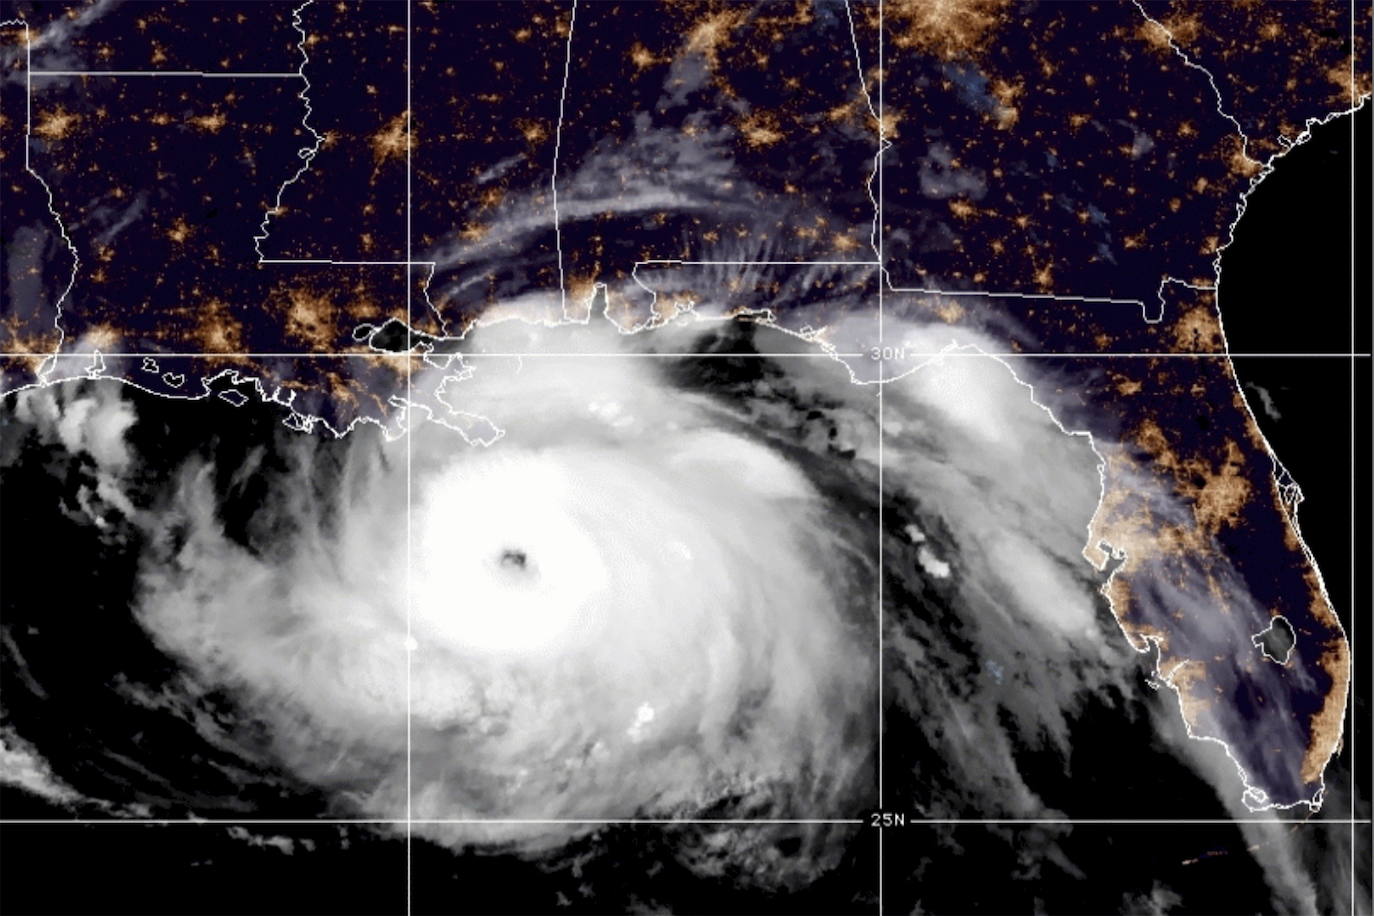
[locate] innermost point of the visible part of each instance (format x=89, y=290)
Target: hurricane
x=695, y=576
x=628, y=604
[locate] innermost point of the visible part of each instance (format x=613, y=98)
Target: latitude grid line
x=911, y=824
x=882, y=373
x=410, y=399
x=911, y=821
x=470, y=355
x=410, y=260
x=410, y=355
x=965, y=351
x=1350, y=596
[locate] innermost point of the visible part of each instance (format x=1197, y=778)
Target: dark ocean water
x=71, y=644
x=1294, y=282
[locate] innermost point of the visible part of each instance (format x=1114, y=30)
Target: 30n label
x=881, y=353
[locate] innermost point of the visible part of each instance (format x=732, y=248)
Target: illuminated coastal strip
x=195, y=74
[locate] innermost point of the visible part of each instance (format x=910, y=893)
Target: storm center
x=514, y=559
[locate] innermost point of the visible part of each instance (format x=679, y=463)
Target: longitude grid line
x=410, y=429
x=1353, y=612
x=882, y=282
x=409, y=821
x=1352, y=356
x=28, y=56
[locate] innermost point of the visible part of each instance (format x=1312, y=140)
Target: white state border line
x=345, y=263
x=886, y=276
x=198, y=74
x=52, y=204
x=553, y=177
x=875, y=236
x=883, y=281
x=307, y=155
x=1281, y=473
x=1216, y=92
x=875, y=239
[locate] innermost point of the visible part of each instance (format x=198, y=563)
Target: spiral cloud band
x=629, y=604
x=617, y=577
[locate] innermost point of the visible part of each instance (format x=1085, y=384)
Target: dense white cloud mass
x=625, y=606
x=626, y=584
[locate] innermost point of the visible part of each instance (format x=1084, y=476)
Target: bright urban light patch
x=639, y=582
